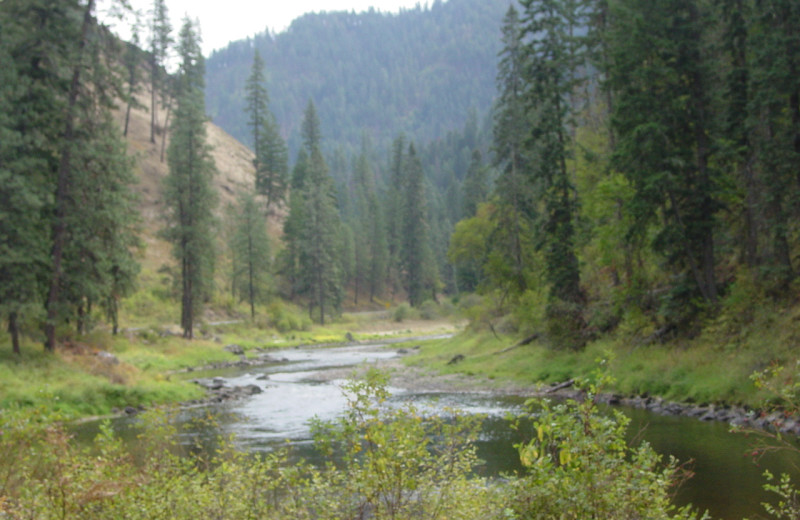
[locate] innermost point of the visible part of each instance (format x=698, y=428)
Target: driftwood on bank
x=560, y=386
x=521, y=343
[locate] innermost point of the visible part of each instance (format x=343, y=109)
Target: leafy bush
x=402, y=312
x=429, y=310
x=286, y=318
x=579, y=465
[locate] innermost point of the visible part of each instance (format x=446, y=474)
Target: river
x=306, y=385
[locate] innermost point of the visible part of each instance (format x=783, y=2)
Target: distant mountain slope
x=419, y=72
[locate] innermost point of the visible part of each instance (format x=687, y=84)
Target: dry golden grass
x=234, y=162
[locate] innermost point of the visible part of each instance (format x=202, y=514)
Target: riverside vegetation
x=385, y=463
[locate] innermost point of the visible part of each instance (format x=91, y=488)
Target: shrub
x=429, y=310
x=579, y=465
x=402, y=312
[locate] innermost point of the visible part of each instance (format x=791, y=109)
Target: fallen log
x=560, y=386
x=521, y=343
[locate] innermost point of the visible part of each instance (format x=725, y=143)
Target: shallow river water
x=726, y=482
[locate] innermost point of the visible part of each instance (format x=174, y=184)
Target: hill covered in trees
x=418, y=72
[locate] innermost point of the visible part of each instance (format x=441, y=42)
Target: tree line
x=68, y=224
x=641, y=160
x=648, y=154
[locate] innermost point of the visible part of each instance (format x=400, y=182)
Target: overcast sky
x=222, y=21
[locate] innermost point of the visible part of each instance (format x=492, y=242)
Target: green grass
x=77, y=383
x=713, y=367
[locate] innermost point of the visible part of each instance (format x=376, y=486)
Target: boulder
x=234, y=349
x=107, y=357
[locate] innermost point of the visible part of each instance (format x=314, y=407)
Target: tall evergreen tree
x=188, y=190
x=320, y=233
x=476, y=184
x=660, y=79
x=68, y=161
x=394, y=212
x=251, y=252
x=514, y=192
x=554, y=58
x=773, y=124
x=418, y=269
x=23, y=230
x=271, y=156
x=370, y=234
x=160, y=41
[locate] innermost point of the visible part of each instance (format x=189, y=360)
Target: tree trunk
x=127, y=119
x=62, y=190
x=250, y=286
x=166, y=126
x=153, y=91
x=13, y=329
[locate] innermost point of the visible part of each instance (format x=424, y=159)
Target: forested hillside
x=418, y=72
x=638, y=171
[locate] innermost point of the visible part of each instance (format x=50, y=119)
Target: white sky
x=223, y=21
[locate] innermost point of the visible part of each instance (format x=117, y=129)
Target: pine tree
x=554, y=57
x=476, y=184
x=273, y=181
x=418, y=269
x=515, y=195
x=251, y=252
x=773, y=107
x=102, y=224
x=394, y=212
x=68, y=164
x=370, y=235
x=320, y=228
x=271, y=155
x=188, y=191
x=23, y=231
x=160, y=41
x=289, y=257
x=661, y=117
x=66, y=175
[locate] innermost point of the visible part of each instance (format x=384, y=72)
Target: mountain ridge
x=417, y=72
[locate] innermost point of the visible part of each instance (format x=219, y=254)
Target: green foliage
x=429, y=310
x=250, y=248
x=396, y=463
x=416, y=261
x=271, y=156
x=285, y=318
x=578, y=465
x=402, y=312
x=316, y=233
x=664, y=151
x=788, y=505
x=188, y=192
x=386, y=461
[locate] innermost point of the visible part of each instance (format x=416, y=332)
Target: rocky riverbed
x=404, y=376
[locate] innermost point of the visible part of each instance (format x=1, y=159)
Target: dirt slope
x=234, y=163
